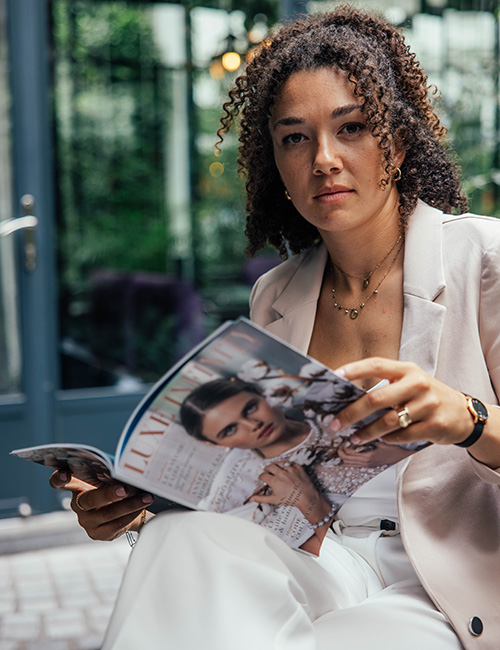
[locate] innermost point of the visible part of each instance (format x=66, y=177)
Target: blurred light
x=25, y=509
x=395, y=15
x=259, y=30
x=231, y=61
x=216, y=69
x=216, y=169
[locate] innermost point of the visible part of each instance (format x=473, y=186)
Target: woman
x=263, y=476
x=347, y=169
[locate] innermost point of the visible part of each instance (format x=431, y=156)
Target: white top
x=377, y=498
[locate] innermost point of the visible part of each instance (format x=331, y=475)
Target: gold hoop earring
x=287, y=195
x=397, y=177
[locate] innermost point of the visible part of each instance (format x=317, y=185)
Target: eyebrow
x=337, y=112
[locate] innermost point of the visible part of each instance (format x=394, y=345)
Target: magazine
x=204, y=434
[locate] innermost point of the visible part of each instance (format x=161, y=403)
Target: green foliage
x=111, y=101
x=110, y=121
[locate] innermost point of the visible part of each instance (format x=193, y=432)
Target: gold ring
x=404, y=418
x=142, y=521
x=78, y=502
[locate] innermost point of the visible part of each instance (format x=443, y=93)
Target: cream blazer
x=449, y=504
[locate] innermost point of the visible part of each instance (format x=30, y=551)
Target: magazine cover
x=241, y=406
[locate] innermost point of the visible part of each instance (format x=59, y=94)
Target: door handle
x=11, y=225
x=27, y=223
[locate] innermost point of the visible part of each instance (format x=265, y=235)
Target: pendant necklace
x=366, y=278
x=355, y=311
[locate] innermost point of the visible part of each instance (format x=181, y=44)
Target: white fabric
x=214, y=582
x=376, y=496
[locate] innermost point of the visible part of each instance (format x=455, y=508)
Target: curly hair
x=395, y=98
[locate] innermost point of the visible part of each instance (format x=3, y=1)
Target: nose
x=328, y=156
x=254, y=423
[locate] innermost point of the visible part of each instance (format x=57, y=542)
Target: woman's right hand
x=105, y=512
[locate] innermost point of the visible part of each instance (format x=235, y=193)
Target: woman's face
x=245, y=421
x=327, y=157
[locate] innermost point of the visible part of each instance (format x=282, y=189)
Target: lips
x=333, y=192
x=266, y=431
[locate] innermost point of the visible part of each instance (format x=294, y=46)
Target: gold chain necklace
x=366, y=278
x=354, y=311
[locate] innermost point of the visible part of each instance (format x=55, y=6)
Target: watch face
x=480, y=409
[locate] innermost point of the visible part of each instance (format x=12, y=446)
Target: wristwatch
x=479, y=414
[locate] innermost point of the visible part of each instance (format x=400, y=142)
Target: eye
x=226, y=432
x=293, y=138
x=352, y=128
x=250, y=407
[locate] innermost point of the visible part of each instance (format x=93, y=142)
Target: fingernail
x=355, y=439
x=340, y=372
x=63, y=476
x=121, y=491
x=147, y=499
x=335, y=425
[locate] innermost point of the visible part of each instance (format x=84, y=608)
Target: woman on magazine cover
x=275, y=462
x=349, y=175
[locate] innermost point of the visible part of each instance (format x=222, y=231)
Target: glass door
x=110, y=112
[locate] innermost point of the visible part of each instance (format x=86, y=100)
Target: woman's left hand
x=289, y=484
x=434, y=411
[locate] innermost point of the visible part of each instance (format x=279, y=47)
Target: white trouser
x=206, y=581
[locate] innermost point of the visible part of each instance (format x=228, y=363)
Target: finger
x=64, y=480
x=348, y=451
x=267, y=475
x=110, y=530
x=276, y=470
x=382, y=399
x=386, y=424
x=273, y=468
x=269, y=499
x=92, y=499
x=110, y=518
x=98, y=498
x=415, y=432
x=375, y=368
x=59, y=479
x=355, y=459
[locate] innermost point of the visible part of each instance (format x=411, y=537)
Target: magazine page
x=87, y=463
x=242, y=403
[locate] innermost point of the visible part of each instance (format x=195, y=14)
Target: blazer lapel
x=298, y=302
x=423, y=282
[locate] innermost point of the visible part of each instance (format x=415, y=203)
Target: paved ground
x=57, y=589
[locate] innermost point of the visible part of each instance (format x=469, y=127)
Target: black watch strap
x=474, y=436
